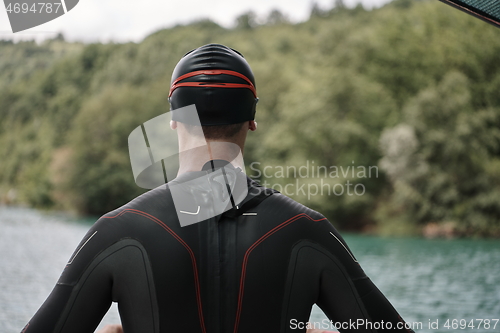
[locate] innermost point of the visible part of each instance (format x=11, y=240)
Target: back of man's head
x=219, y=81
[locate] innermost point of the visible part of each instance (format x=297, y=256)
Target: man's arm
x=346, y=294
x=81, y=297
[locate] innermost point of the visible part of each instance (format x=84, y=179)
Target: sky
x=126, y=20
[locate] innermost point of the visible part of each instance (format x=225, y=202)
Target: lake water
x=426, y=280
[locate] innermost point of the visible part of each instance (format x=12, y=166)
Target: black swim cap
x=219, y=81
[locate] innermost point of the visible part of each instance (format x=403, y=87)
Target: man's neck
x=193, y=159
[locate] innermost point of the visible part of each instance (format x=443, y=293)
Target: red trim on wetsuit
x=180, y=240
x=251, y=248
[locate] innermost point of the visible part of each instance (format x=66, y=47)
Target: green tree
x=441, y=163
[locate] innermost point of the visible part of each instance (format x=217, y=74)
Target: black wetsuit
x=258, y=268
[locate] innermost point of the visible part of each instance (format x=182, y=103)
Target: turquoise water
x=425, y=280
x=434, y=280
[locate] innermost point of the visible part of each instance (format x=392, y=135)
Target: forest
x=398, y=107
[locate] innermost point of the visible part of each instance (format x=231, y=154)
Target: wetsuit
x=257, y=268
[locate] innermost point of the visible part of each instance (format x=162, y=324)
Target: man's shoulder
x=280, y=202
x=151, y=202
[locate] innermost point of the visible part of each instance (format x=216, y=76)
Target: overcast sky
x=125, y=20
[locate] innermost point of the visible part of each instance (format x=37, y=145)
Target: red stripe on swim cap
x=176, y=83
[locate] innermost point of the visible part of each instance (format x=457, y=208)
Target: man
x=255, y=263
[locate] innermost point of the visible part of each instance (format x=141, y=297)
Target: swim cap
x=219, y=81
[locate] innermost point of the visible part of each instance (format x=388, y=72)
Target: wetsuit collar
x=256, y=192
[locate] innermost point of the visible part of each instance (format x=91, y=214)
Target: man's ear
x=252, y=125
x=173, y=124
